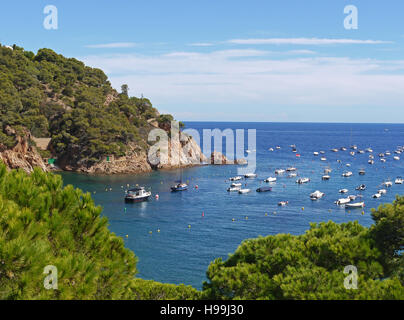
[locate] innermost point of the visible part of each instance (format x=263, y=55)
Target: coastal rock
x=22, y=155
x=218, y=158
x=241, y=161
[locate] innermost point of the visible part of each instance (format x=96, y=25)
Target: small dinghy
x=323, y=159
x=179, y=187
x=343, y=149
x=396, y=158
x=352, y=197
x=399, y=180
x=343, y=201
x=326, y=177
x=355, y=205
x=362, y=187
x=242, y=191
x=283, y=203
x=315, y=153
x=362, y=172
x=250, y=175
x=303, y=180
x=316, y=195
x=347, y=174
x=236, y=178
x=137, y=195
x=264, y=189
x=371, y=162
x=388, y=184
x=279, y=171
x=233, y=185
x=376, y=196
x=270, y=179
x=291, y=169
x=382, y=191
x=383, y=160
x=233, y=189
x=343, y=191
x=292, y=175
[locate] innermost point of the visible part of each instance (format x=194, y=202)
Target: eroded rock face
x=22, y=155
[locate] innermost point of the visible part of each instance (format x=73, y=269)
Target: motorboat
x=388, y=153
x=264, y=189
x=396, y=158
x=387, y=184
x=371, y=161
x=399, y=180
x=315, y=153
x=323, y=159
x=278, y=147
x=334, y=150
x=354, y=147
x=343, y=201
x=233, y=189
x=382, y=191
x=343, y=191
x=376, y=196
x=283, y=203
x=270, y=179
x=271, y=149
x=383, y=160
x=242, y=191
x=347, y=174
x=233, y=185
x=303, y=180
x=322, y=152
x=279, y=171
x=355, y=205
x=327, y=171
x=137, y=195
x=381, y=155
x=290, y=169
x=292, y=175
x=326, y=177
x=179, y=187
x=348, y=165
x=343, y=149
x=236, y=178
x=361, y=151
x=250, y=175
x=362, y=172
x=362, y=187
x=316, y=195
x=369, y=150
x=352, y=153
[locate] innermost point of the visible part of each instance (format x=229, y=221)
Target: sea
x=177, y=236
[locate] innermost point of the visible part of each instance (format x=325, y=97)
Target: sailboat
x=180, y=185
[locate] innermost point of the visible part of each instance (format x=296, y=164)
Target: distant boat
x=382, y=191
x=355, y=205
x=362, y=187
x=232, y=189
x=376, y=196
x=323, y=159
x=179, y=187
x=343, y=201
x=233, y=185
x=316, y=195
x=290, y=169
x=242, y=191
x=302, y=180
x=362, y=172
x=279, y=171
x=343, y=191
x=283, y=203
x=292, y=175
x=137, y=195
x=326, y=177
x=270, y=179
x=347, y=174
x=399, y=180
x=264, y=189
x=236, y=178
x=396, y=158
x=371, y=161
x=383, y=160
x=315, y=153
x=343, y=149
x=387, y=184
x=250, y=175
x=334, y=150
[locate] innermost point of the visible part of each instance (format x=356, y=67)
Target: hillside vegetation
x=74, y=105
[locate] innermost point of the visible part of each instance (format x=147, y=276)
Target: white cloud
x=303, y=41
x=201, y=44
x=112, y=45
x=236, y=82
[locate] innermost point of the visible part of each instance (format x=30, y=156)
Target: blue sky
x=233, y=60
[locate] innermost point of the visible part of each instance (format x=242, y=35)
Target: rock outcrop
x=22, y=155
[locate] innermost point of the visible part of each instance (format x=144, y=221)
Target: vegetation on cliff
x=73, y=104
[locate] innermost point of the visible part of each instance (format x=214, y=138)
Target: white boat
x=292, y=175
x=326, y=177
x=283, y=203
x=348, y=165
x=381, y=155
x=396, y=158
x=270, y=179
x=233, y=189
x=250, y=175
x=387, y=184
x=315, y=153
x=343, y=149
x=352, y=197
x=334, y=150
x=382, y=191
x=302, y=180
x=369, y=150
x=355, y=205
x=327, y=171
x=343, y=191
x=371, y=157
x=383, y=160
x=362, y=172
x=236, y=178
x=323, y=159
x=279, y=171
x=388, y=153
x=376, y=196
x=399, y=180
x=290, y=169
x=278, y=147
x=137, y=195
x=322, y=152
x=352, y=153
x=271, y=149
x=343, y=201
x=371, y=161
x=242, y=191
x=316, y=195
x=347, y=174
x=233, y=185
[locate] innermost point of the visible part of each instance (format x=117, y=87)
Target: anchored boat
x=137, y=195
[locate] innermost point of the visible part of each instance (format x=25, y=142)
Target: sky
x=289, y=61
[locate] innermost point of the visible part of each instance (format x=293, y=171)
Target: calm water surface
x=179, y=254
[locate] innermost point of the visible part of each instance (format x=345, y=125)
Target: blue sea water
x=189, y=240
